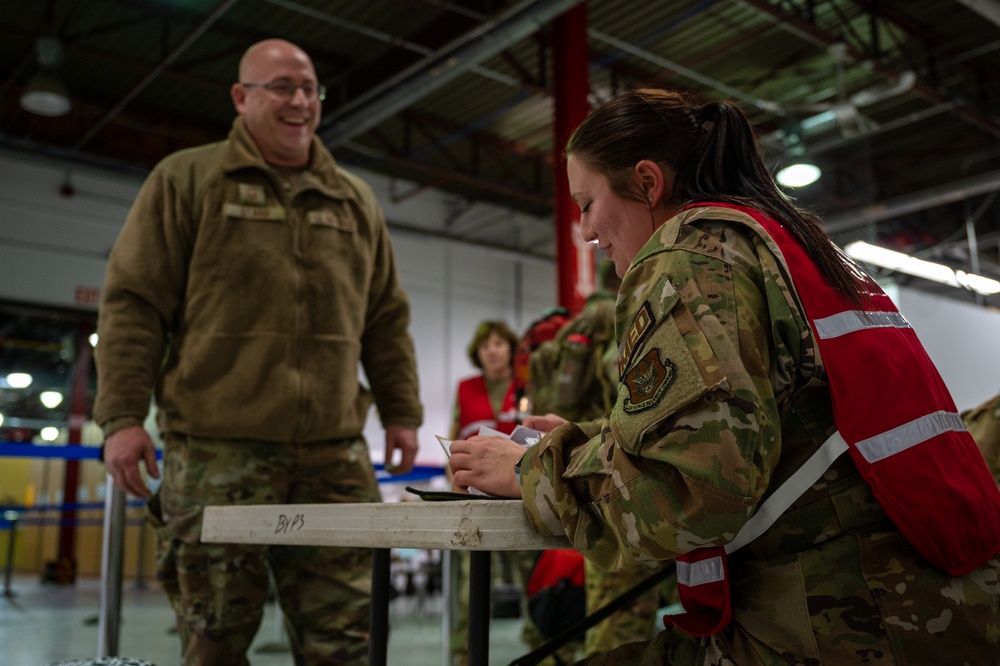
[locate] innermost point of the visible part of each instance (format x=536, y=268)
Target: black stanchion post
x=11, y=517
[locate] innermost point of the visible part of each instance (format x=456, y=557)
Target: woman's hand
x=486, y=463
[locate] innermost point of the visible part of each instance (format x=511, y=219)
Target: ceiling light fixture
x=904, y=263
x=799, y=175
x=46, y=95
x=51, y=399
x=19, y=380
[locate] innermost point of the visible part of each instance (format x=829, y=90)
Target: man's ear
x=239, y=95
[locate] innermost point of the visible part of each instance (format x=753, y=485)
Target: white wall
x=53, y=250
x=962, y=339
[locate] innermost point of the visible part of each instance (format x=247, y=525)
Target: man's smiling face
x=281, y=127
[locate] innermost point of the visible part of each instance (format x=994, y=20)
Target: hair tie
x=707, y=115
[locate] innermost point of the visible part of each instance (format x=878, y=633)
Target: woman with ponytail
x=779, y=431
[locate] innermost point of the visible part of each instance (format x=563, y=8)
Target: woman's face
x=494, y=355
x=619, y=226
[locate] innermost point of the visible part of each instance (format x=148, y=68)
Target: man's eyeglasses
x=287, y=89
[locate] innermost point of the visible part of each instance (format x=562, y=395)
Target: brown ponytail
x=713, y=150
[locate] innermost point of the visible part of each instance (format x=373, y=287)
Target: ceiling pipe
x=434, y=71
x=910, y=203
x=988, y=9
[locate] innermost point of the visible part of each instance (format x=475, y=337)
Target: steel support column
x=570, y=87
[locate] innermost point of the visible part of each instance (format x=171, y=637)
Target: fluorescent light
x=51, y=399
x=904, y=263
x=19, y=380
x=799, y=175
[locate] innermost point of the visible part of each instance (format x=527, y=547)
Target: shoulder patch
x=647, y=380
x=641, y=325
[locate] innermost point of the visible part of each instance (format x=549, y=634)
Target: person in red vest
x=487, y=399
x=779, y=431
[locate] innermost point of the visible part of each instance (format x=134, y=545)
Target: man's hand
x=486, y=463
x=122, y=452
x=546, y=423
x=404, y=440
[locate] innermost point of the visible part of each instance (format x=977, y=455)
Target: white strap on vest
x=782, y=498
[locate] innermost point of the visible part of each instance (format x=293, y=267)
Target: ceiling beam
x=432, y=72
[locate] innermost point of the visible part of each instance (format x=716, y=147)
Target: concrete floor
x=45, y=623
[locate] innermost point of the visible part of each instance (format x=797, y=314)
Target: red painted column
x=66, y=562
x=570, y=87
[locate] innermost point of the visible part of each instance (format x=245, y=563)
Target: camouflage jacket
x=721, y=397
x=983, y=423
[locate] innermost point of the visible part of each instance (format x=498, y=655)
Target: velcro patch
x=252, y=194
x=253, y=212
x=326, y=218
x=647, y=380
x=641, y=324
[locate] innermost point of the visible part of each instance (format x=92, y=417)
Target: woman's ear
x=655, y=182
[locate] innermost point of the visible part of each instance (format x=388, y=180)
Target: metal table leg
x=378, y=642
x=479, y=607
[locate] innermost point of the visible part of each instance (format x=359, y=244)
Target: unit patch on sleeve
x=641, y=324
x=647, y=380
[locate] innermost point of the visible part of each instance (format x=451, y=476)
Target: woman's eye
x=586, y=208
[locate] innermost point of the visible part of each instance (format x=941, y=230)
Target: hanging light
x=45, y=94
x=904, y=263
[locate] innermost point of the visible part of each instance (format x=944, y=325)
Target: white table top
x=449, y=525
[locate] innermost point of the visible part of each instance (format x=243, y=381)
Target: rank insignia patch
x=647, y=380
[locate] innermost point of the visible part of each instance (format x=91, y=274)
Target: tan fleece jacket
x=248, y=302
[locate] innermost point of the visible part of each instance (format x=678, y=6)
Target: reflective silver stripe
x=699, y=573
x=857, y=320
x=909, y=434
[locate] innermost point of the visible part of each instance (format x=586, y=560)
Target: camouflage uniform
x=722, y=396
x=983, y=423
x=216, y=590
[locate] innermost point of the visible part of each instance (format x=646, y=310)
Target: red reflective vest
x=475, y=410
x=896, y=419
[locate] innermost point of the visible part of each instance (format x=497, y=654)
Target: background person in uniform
x=575, y=376
x=983, y=423
x=722, y=398
x=250, y=279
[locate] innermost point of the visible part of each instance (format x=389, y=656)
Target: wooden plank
x=456, y=525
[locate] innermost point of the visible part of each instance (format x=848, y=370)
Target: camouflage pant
x=218, y=591
x=635, y=622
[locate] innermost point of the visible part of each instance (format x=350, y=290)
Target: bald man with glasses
x=250, y=279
